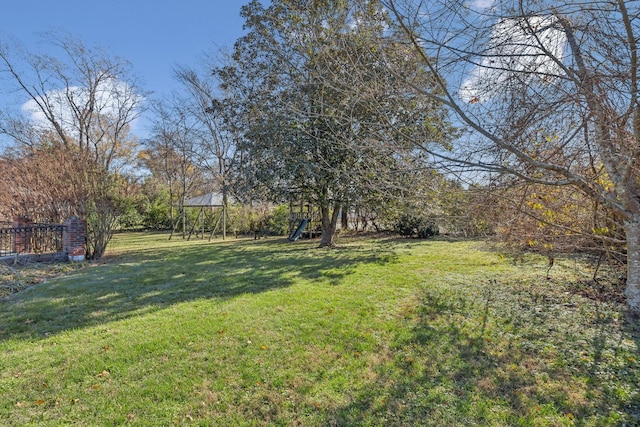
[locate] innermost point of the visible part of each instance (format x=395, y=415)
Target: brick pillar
x=21, y=237
x=74, y=238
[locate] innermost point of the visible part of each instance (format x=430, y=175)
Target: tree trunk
x=632, y=291
x=345, y=218
x=329, y=225
x=224, y=213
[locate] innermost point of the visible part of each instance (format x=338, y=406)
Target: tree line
x=518, y=118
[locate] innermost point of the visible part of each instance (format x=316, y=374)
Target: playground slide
x=296, y=235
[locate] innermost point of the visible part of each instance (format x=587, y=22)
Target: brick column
x=74, y=238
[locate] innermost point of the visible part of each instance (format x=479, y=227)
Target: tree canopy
x=321, y=102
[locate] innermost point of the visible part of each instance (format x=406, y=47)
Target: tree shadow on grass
x=134, y=283
x=491, y=361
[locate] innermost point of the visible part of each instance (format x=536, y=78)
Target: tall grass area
x=378, y=332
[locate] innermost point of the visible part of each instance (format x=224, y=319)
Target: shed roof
x=210, y=199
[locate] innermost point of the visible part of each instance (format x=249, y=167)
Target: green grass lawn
x=379, y=332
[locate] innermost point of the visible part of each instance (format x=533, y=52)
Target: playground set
x=212, y=215
x=304, y=221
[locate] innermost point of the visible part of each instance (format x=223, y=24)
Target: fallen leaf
x=95, y=386
x=103, y=374
x=264, y=347
x=39, y=402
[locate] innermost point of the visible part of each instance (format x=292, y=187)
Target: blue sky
x=154, y=35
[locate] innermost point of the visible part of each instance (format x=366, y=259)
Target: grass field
x=378, y=332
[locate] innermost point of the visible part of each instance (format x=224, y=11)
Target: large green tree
x=320, y=102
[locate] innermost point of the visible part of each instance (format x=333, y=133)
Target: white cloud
x=111, y=98
x=518, y=48
x=483, y=4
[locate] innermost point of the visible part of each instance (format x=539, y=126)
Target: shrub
x=410, y=225
x=428, y=229
x=278, y=221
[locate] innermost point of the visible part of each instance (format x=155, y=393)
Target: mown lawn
x=379, y=332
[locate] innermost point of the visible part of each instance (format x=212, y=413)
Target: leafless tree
x=170, y=154
x=211, y=130
x=547, y=91
x=81, y=101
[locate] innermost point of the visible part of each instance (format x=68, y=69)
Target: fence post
x=74, y=238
